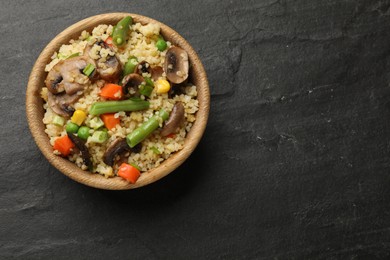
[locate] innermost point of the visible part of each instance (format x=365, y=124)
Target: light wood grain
x=35, y=112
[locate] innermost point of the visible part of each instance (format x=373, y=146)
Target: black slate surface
x=294, y=162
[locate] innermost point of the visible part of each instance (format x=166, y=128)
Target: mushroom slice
x=72, y=73
x=110, y=70
x=175, y=120
x=80, y=144
x=177, y=89
x=176, y=65
x=67, y=75
x=132, y=82
x=54, y=79
x=143, y=67
x=118, y=147
x=157, y=72
x=62, y=103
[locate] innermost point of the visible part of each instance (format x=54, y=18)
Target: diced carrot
x=129, y=172
x=110, y=121
x=171, y=135
x=111, y=91
x=63, y=145
x=108, y=41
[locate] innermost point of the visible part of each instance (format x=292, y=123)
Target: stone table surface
x=294, y=162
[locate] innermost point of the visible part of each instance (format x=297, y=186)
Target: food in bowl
x=118, y=101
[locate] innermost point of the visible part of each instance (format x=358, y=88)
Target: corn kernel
x=78, y=117
x=162, y=86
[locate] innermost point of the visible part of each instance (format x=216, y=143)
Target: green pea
x=83, y=132
x=71, y=128
x=161, y=44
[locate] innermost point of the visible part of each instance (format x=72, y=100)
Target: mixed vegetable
x=125, y=90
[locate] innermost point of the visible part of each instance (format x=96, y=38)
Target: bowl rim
x=34, y=108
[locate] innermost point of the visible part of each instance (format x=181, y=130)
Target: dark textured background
x=294, y=162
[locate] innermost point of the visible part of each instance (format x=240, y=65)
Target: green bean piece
x=88, y=69
x=99, y=137
x=161, y=44
x=142, y=132
x=104, y=107
x=135, y=166
x=146, y=90
x=83, y=132
x=113, y=29
x=71, y=128
x=155, y=150
x=130, y=66
x=148, y=81
x=120, y=31
x=136, y=99
x=58, y=120
x=96, y=123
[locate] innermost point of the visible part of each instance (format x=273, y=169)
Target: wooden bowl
x=35, y=111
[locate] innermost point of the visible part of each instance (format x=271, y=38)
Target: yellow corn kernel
x=162, y=86
x=78, y=117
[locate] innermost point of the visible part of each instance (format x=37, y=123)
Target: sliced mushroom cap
x=54, y=79
x=67, y=75
x=80, y=144
x=118, y=147
x=176, y=65
x=110, y=70
x=157, y=72
x=62, y=103
x=143, y=67
x=177, y=89
x=72, y=72
x=131, y=83
x=175, y=120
